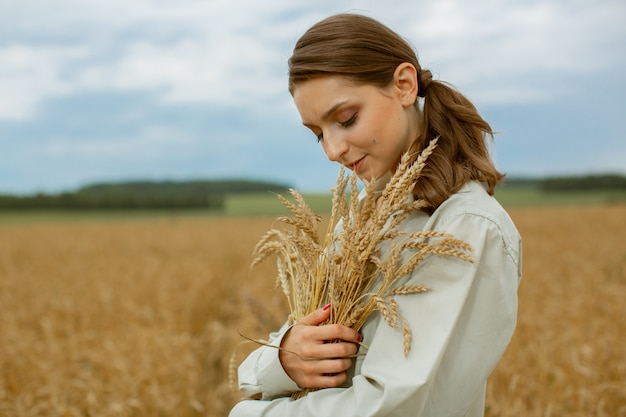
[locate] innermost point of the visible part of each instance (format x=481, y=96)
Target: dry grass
x=123, y=318
x=568, y=355
x=139, y=318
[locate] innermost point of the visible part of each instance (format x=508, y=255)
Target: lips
x=356, y=165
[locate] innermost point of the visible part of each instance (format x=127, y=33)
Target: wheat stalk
x=345, y=267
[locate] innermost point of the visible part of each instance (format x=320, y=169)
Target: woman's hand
x=318, y=363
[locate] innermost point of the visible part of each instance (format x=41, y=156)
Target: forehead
x=319, y=87
x=316, y=97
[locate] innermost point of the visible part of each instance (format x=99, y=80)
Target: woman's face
x=363, y=127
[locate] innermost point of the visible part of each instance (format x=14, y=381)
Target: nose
x=335, y=148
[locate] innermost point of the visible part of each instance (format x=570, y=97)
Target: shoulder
x=472, y=200
x=473, y=214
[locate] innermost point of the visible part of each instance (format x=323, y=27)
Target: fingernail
x=360, y=338
x=326, y=307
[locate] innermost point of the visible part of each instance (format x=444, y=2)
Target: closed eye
x=350, y=121
x=344, y=124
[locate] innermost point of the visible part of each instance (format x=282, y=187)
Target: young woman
x=359, y=88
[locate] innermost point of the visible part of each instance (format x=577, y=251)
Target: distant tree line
x=121, y=201
x=141, y=195
x=587, y=183
x=571, y=183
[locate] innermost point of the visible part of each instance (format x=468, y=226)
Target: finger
x=326, y=374
x=335, y=332
x=326, y=366
x=317, y=317
x=331, y=367
x=333, y=350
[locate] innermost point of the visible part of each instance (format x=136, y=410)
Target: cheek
x=373, y=133
x=400, y=133
x=385, y=124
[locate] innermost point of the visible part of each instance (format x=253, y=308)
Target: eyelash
x=349, y=122
x=345, y=124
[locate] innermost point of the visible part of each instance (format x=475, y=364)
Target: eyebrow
x=329, y=112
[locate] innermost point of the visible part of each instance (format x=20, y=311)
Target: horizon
x=287, y=185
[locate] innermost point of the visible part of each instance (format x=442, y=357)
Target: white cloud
x=190, y=70
x=185, y=52
x=507, y=52
x=28, y=75
x=234, y=53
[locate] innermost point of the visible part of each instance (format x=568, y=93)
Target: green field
x=531, y=196
x=266, y=204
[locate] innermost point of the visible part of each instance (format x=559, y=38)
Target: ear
x=405, y=83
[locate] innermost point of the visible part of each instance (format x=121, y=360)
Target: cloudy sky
x=109, y=90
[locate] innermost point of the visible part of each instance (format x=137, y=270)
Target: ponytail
x=461, y=154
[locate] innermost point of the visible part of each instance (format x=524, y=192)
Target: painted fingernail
x=360, y=338
x=326, y=307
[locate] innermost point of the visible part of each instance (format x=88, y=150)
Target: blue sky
x=111, y=90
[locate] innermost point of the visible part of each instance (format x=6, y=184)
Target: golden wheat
x=139, y=317
x=347, y=270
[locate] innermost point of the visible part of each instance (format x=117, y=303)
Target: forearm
x=262, y=376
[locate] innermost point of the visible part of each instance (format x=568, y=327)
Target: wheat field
x=141, y=317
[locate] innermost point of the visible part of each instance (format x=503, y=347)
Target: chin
x=364, y=177
x=368, y=177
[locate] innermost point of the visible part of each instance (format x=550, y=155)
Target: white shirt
x=460, y=330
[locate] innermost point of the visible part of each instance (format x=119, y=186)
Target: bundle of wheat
x=345, y=268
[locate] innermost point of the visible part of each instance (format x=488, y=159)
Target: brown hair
x=366, y=51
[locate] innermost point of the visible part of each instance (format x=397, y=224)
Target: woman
x=359, y=88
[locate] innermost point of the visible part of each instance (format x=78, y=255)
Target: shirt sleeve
x=261, y=375
x=459, y=332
